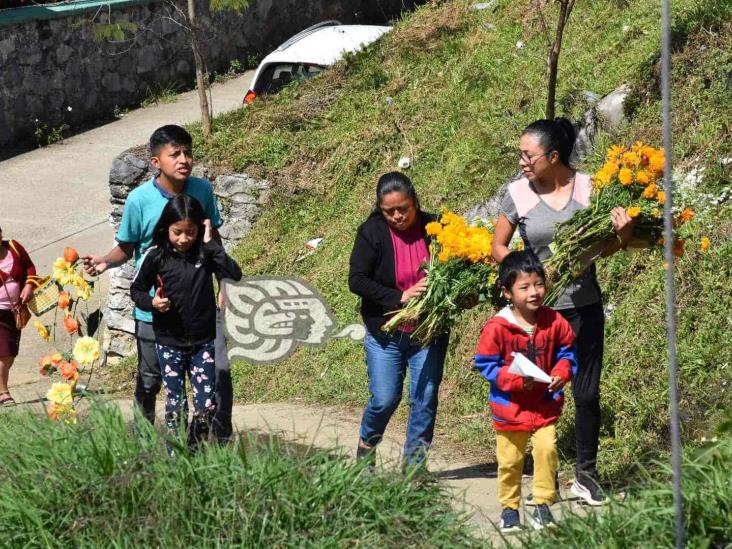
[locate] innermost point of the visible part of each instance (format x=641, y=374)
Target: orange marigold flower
x=610, y=168
x=657, y=161
x=631, y=159
x=661, y=197
x=434, y=228
x=57, y=358
x=686, y=215
x=615, y=152
x=704, y=244
x=634, y=211
x=70, y=371
x=642, y=177
x=63, y=300
x=70, y=325
x=650, y=191
x=625, y=176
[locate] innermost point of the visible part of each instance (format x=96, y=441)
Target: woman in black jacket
x=179, y=266
x=385, y=271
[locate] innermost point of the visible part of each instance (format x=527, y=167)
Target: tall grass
x=646, y=518
x=96, y=485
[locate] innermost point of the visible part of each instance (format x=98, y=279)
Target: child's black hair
x=178, y=208
x=394, y=182
x=557, y=134
x=169, y=135
x=518, y=262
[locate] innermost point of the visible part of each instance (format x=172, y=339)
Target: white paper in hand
x=524, y=367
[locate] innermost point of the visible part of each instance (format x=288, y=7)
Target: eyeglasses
x=521, y=155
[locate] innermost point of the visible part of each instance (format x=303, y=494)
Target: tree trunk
x=200, y=76
x=565, y=9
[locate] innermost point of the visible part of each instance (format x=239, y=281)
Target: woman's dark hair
x=516, y=263
x=178, y=208
x=394, y=182
x=554, y=135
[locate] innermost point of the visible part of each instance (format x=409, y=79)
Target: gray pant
x=149, y=378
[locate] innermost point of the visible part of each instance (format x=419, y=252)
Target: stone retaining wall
x=50, y=59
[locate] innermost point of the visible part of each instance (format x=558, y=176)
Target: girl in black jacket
x=178, y=267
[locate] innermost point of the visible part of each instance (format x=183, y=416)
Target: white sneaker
x=592, y=494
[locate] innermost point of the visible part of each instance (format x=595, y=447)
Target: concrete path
x=59, y=196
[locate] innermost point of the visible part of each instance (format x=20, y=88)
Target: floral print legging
x=198, y=362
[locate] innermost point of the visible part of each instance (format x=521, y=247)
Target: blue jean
x=387, y=358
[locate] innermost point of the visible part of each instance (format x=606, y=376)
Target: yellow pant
x=510, y=450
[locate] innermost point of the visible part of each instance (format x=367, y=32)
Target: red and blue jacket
x=550, y=347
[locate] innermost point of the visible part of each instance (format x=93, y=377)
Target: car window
x=277, y=75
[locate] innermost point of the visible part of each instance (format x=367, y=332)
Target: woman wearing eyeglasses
x=549, y=192
x=385, y=272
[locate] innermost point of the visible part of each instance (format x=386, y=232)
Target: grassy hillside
x=453, y=88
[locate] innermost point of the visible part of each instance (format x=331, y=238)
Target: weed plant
x=452, y=88
x=95, y=484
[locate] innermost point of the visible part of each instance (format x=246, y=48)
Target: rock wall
x=54, y=71
x=240, y=199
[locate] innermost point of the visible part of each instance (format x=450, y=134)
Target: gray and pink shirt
x=537, y=221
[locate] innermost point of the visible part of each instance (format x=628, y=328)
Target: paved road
x=59, y=196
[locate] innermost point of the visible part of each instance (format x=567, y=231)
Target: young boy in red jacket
x=524, y=407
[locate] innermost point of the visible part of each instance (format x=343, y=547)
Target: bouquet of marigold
x=83, y=349
x=460, y=269
x=630, y=178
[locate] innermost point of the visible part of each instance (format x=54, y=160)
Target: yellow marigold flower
x=42, y=330
x=443, y=256
x=58, y=412
x=642, y=177
x=63, y=272
x=704, y=244
x=601, y=180
x=650, y=191
x=634, y=211
x=661, y=197
x=60, y=393
x=631, y=160
x=625, y=176
x=83, y=288
x=86, y=350
x=655, y=212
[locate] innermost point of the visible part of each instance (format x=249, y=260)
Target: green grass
x=462, y=91
x=94, y=484
x=646, y=517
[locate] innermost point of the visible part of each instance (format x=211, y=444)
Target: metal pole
x=670, y=292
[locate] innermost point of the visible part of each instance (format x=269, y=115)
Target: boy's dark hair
x=557, y=134
x=169, y=135
x=518, y=262
x=178, y=208
x=394, y=182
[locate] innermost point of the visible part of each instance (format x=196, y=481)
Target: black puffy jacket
x=188, y=283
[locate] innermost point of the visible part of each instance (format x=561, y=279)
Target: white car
x=307, y=53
